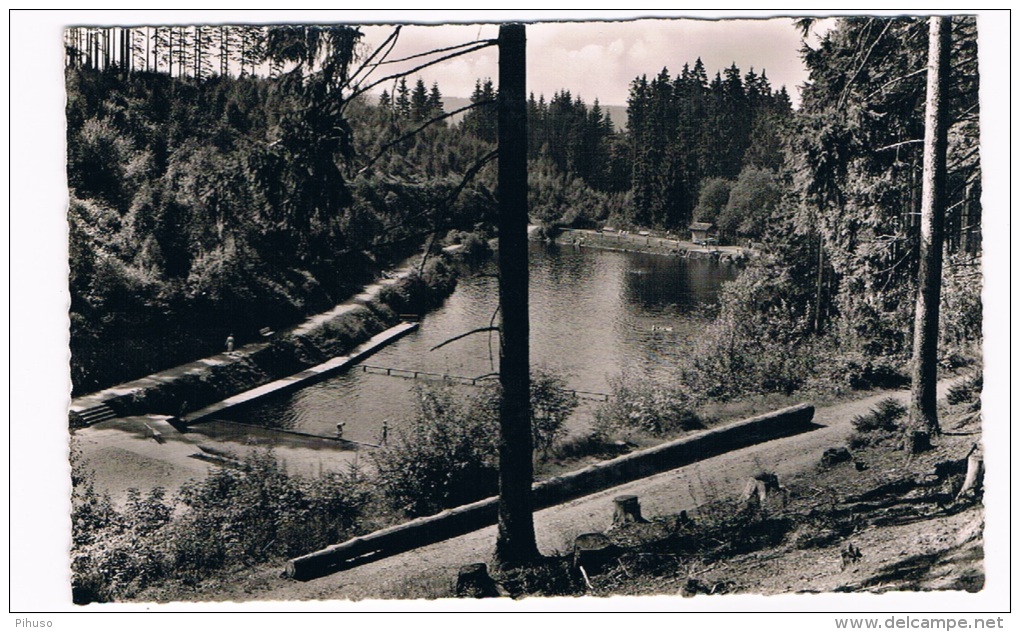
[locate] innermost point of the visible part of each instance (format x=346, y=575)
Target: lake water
x=594, y=313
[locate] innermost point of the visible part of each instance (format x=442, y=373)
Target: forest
x=225, y=179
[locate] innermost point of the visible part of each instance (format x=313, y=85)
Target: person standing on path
x=230, y=343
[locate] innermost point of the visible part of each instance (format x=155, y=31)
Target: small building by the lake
x=700, y=231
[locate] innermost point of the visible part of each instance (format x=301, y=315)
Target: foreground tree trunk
x=515, y=542
x=923, y=413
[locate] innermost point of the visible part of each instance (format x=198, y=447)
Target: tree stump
x=850, y=555
x=834, y=456
x=473, y=581
x=593, y=551
x=918, y=441
x=975, y=473
x=684, y=520
x=759, y=490
x=626, y=509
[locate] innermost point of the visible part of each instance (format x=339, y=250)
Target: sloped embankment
x=185, y=388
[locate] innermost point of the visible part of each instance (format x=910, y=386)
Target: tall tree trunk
x=923, y=413
x=818, y=283
x=224, y=50
x=126, y=35
x=515, y=542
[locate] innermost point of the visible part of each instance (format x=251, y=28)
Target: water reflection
x=593, y=313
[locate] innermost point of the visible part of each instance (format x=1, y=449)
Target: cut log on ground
x=758, y=489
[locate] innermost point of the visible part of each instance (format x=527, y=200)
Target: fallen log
x=396, y=539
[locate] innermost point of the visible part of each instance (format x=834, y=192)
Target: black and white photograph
x=460, y=311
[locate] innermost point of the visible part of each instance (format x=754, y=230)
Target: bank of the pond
x=182, y=389
x=625, y=241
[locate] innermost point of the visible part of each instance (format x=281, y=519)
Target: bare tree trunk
x=515, y=542
x=923, y=413
x=818, y=285
x=224, y=50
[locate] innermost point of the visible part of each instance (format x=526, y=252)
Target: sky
x=599, y=59
x=593, y=54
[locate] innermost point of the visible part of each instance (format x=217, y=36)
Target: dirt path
x=427, y=572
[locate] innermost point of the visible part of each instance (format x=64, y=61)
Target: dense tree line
x=833, y=296
x=208, y=205
x=859, y=159
x=686, y=139
x=685, y=131
x=198, y=51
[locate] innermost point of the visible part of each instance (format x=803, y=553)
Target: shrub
x=966, y=391
x=449, y=454
x=122, y=552
x=878, y=426
x=647, y=406
x=848, y=369
x=250, y=514
x=551, y=405
x=446, y=457
x=759, y=343
x=234, y=517
x=474, y=248
x=593, y=443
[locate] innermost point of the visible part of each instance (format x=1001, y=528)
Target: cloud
x=599, y=59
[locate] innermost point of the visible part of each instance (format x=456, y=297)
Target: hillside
x=618, y=113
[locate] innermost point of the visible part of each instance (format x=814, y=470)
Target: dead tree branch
x=464, y=335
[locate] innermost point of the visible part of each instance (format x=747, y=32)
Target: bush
x=647, y=406
x=878, y=426
x=855, y=370
x=547, y=232
x=966, y=391
x=551, y=405
x=474, y=247
x=446, y=457
x=759, y=343
x=250, y=514
x=421, y=290
x=449, y=455
x=234, y=517
x=594, y=443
